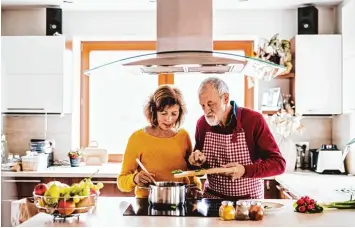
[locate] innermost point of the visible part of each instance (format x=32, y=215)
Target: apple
x=94, y=192
x=40, y=189
x=66, y=207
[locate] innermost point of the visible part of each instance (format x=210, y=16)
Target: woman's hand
x=142, y=178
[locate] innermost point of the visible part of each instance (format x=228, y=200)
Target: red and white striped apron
x=221, y=149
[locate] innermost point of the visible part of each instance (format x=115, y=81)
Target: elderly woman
x=161, y=146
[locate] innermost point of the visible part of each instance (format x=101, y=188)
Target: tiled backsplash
x=19, y=129
x=318, y=131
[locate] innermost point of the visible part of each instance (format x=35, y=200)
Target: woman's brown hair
x=164, y=96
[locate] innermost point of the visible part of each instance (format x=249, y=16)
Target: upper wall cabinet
x=318, y=74
x=348, y=33
x=33, y=74
x=348, y=29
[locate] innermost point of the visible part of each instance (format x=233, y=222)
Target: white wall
x=142, y=25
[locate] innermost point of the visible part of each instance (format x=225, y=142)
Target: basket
x=34, y=163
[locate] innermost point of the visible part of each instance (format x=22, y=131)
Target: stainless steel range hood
x=185, y=45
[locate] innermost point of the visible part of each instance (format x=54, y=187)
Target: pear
x=49, y=184
x=51, y=196
x=84, y=205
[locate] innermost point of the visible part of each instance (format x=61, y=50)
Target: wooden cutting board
x=204, y=172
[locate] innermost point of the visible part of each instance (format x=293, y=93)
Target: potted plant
x=75, y=157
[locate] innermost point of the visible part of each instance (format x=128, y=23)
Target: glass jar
x=223, y=205
x=228, y=212
x=256, y=211
x=242, y=210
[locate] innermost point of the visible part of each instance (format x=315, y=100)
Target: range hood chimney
x=185, y=45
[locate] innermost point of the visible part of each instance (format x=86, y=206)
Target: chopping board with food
x=201, y=172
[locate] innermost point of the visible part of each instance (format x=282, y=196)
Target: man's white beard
x=212, y=121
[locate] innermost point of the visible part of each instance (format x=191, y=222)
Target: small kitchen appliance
x=93, y=155
x=43, y=146
x=329, y=160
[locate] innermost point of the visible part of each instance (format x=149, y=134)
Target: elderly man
x=232, y=136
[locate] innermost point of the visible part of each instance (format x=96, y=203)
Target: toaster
x=330, y=160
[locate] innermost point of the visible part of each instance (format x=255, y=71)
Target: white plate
x=271, y=207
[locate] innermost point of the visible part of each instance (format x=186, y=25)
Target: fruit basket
x=64, y=207
x=63, y=201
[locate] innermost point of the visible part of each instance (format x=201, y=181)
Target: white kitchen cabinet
x=33, y=74
x=348, y=85
x=348, y=29
x=42, y=55
x=318, y=74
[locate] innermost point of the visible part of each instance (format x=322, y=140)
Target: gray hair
x=218, y=84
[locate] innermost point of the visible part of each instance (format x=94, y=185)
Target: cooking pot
x=168, y=193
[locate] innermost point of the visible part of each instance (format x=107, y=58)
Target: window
x=111, y=100
x=117, y=98
x=189, y=89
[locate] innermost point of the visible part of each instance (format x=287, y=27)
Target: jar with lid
x=223, y=205
x=242, y=210
x=256, y=211
x=228, y=211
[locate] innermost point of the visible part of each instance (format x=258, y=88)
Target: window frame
x=87, y=46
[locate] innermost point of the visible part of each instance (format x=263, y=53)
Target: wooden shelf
x=286, y=76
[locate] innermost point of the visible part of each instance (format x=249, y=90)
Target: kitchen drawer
x=285, y=194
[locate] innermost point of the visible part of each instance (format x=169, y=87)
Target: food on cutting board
x=350, y=204
x=56, y=197
x=307, y=205
x=177, y=171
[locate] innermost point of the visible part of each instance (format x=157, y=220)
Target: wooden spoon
x=205, y=171
x=144, y=169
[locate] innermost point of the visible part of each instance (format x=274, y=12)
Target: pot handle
x=191, y=186
x=148, y=188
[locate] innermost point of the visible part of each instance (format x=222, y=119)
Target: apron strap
x=238, y=128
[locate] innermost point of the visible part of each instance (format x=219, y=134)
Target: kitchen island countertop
x=109, y=212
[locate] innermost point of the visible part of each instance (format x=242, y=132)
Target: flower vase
x=289, y=152
x=75, y=162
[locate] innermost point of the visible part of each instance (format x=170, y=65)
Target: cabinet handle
x=268, y=185
x=287, y=195
x=105, y=182
x=22, y=181
x=27, y=109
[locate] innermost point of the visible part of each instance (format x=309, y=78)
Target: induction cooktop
x=192, y=208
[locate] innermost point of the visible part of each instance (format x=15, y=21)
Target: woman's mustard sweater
x=160, y=156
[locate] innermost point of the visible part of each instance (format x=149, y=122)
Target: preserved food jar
x=242, y=210
x=223, y=205
x=228, y=212
x=256, y=211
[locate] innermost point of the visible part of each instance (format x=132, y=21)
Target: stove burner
x=196, y=208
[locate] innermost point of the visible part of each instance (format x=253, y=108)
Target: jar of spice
x=256, y=211
x=242, y=210
x=228, y=212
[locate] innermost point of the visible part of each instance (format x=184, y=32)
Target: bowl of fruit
x=63, y=201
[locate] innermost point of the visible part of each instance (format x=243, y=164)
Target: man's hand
x=197, y=158
x=239, y=170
